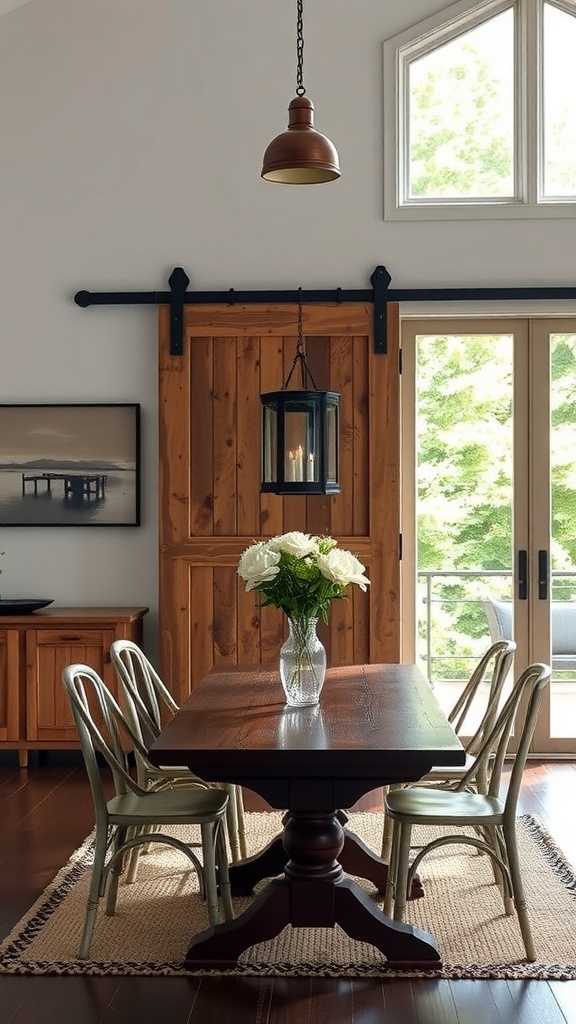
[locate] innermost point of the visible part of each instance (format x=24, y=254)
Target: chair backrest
x=492, y=669
x=102, y=729
x=499, y=615
x=528, y=688
x=145, y=697
x=563, y=629
x=146, y=694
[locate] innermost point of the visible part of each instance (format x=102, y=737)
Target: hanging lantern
x=300, y=434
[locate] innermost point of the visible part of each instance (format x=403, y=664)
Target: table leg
x=356, y=858
x=314, y=893
x=268, y=863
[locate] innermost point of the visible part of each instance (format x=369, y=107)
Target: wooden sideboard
x=34, y=712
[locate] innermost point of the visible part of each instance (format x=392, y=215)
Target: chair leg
x=232, y=821
x=134, y=854
x=209, y=840
x=493, y=838
x=241, y=822
x=387, y=828
x=403, y=858
x=115, y=871
x=223, y=877
x=95, y=892
x=388, y=823
x=390, y=893
x=518, y=889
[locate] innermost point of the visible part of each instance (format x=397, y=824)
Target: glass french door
x=489, y=503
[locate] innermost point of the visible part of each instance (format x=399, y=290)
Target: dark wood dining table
x=374, y=725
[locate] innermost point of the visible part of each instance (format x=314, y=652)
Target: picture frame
x=70, y=464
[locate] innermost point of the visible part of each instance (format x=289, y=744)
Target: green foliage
x=465, y=473
x=460, y=140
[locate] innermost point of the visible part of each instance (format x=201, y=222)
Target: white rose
x=342, y=567
x=258, y=564
x=295, y=543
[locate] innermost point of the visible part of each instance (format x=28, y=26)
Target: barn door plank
x=211, y=508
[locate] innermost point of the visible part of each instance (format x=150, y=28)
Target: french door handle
x=522, y=574
x=542, y=575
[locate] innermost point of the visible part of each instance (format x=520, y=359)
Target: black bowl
x=22, y=605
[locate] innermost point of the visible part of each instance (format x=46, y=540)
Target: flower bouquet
x=302, y=575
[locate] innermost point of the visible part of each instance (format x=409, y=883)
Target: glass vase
x=302, y=663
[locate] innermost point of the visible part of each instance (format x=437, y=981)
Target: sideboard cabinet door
x=34, y=650
x=48, y=651
x=10, y=661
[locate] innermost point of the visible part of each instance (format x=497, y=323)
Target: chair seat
x=165, y=807
x=428, y=806
x=146, y=699
x=439, y=773
x=174, y=772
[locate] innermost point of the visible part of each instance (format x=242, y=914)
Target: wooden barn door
x=211, y=507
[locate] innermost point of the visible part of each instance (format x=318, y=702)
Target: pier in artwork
x=77, y=486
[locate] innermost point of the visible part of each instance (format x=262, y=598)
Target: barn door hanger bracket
x=178, y=297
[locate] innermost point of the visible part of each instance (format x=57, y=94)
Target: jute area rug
x=158, y=914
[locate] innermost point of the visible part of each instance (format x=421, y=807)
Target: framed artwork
x=70, y=465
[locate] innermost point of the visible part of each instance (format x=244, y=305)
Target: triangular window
x=480, y=112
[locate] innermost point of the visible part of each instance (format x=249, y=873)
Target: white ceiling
x=9, y=5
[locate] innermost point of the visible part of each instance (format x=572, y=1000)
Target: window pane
x=464, y=496
x=559, y=103
x=461, y=115
x=563, y=545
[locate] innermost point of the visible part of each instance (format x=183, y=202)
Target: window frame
x=528, y=201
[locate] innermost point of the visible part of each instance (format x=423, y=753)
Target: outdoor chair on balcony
x=145, y=698
x=499, y=615
x=131, y=818
x=492, y=820
x=484, y=687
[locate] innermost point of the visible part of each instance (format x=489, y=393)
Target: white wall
x=131, y=139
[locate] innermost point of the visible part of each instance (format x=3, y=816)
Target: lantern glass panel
x=301, y=439
x=332, y=438
x=270, y=446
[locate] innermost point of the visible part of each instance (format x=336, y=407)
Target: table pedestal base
x=355, y=858
x=314, y=893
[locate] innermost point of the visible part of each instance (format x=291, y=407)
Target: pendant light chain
x=300, y=90
x=300, y=356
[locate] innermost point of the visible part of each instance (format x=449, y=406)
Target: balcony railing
x=453, y=630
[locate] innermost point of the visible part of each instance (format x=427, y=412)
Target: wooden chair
x=147, y=697
x=491, y=671
x=124, y=822
x=493, y=819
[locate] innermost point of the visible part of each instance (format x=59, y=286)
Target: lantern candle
x=291, y=466
x=310, y=467
x=299, y=460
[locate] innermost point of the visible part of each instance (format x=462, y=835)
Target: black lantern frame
x=300, y=432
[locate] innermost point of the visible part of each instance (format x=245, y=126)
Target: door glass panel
x=563, y=546
x=464, y=492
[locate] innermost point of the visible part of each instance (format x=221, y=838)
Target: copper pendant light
x=300, y=155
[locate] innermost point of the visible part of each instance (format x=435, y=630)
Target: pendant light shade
x=300, y=155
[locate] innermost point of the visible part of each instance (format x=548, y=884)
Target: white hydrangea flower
x=298, y=544
x=258, y=564
x=342, y=567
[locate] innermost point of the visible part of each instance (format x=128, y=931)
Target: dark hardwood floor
x=45, y=812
